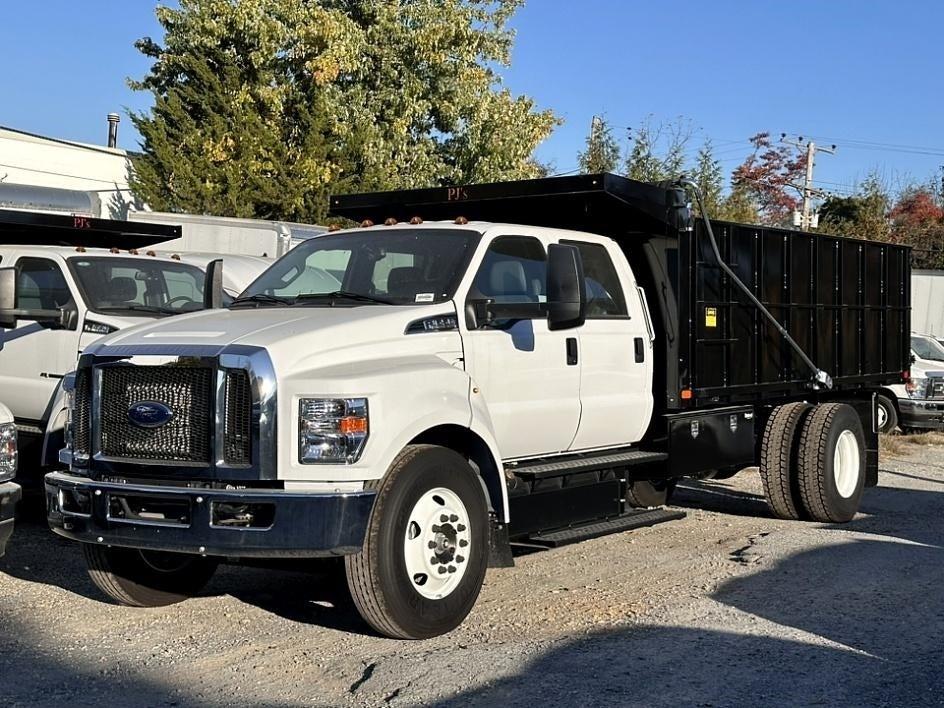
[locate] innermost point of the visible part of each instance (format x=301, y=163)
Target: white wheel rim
x=882, y=417
x=436, y=544
x=846, y=464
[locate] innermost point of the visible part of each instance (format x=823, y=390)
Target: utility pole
x=806, y=220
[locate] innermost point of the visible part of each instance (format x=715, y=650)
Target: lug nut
x=453, y=518
x=443, y=518
x=434, y=528
x=434, y=560
x=460, y=559
x=463, y=543
x=460, y=527
x=452, y=569
x=442, y=569
x=431, y=545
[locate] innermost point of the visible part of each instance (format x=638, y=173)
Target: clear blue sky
x=845, y=71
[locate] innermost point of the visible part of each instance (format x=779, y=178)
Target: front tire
x=832, y=463
x=886, y=413
x=139, y=578
x=425, y=552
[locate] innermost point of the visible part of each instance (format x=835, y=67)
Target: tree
x=917, y=220
x=863, y=214
x=602, y=152
x=263, y=107
x=658, y=153
x=771, y=177
x=707, y=175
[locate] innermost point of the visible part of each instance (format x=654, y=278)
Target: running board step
x=626, y=522
x=584, y=463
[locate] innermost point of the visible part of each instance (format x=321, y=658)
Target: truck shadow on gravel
x=857, y=620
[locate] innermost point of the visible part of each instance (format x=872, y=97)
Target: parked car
x=476, y=382
x=9, y=490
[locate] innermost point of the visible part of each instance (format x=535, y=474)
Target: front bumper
x=914, y=413
x=293, y=524
x=10, y=494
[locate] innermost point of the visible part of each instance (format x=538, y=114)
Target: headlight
x=7, y=451
x=917, y=387
x=331, y=429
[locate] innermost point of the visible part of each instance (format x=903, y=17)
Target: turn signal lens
x=686, y=394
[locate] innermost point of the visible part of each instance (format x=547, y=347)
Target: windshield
x=927, y=348
x=138, y=285
x=394, y=267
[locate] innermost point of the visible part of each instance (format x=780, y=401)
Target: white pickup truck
x=85, y=293
x=917, y=404
x=536, y=361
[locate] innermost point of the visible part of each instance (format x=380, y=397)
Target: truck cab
x=919, y=402
x=92, y=292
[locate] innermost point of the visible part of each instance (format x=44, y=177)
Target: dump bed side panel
x=844, y=301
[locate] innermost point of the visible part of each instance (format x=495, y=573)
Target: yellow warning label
x=711, y=317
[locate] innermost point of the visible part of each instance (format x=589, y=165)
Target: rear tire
x=832, y=463
x=139, y=578
x=778, y=460
x=887, y=415
x=425, y=552
x=645, y=494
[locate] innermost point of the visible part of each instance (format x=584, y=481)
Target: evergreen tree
x=602, y=152
x=263, y=107
x=708, y=176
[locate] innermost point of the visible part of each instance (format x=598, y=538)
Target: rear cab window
x=605, y=298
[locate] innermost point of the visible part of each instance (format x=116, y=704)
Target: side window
x=514, y=270
x=604, y=293
x=40, y=285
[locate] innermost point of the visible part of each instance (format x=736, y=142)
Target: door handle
x=640, y=350
x=571, y=351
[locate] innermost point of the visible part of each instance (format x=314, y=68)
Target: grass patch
x=891, y=444
x=931, y=437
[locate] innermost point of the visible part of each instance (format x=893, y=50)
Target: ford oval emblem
x=150, y=414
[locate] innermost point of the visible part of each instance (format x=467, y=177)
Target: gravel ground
x=726, y=607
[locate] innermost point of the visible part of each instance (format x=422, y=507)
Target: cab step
x=556, y=467
x=626, y=522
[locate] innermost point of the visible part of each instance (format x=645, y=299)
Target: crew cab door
x=615, y=351
x=524, y=373
x=34, y=357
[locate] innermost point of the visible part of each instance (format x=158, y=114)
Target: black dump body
x=845, y=301
x=36, y=229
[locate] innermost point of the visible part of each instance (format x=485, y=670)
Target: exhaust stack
x=113, y=120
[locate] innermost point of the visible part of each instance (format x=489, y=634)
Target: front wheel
x=147, y=578
x=424, y=556
x=886, y=415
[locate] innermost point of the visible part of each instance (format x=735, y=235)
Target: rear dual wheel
x=813, y=462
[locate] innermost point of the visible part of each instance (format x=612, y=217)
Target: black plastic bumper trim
x=305, y=525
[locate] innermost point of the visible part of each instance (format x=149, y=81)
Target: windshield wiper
x=150, y=309
x=261, y=299
x=342, y=295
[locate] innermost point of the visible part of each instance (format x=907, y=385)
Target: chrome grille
x=80, y=412
x=237, y=427
x=936, y=387
x=187, y=391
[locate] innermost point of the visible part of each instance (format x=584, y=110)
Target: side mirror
x=213, y=285
x=64, y=318
x=566, y=293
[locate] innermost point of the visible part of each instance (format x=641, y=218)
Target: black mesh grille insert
x=187, y=391
x=80, y=412
x=237, y=432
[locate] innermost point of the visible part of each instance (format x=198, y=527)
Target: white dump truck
x=473, y=366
